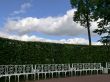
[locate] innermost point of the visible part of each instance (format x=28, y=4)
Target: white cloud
x=63, y=25
x=35, y=38
x=23, y=9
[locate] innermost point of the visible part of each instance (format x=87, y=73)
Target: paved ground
x=91, y=78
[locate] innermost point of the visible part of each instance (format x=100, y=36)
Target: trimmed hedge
x=20, y=52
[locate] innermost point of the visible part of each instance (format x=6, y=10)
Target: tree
x=102, y=15
x=83, y=14
x=105, y=40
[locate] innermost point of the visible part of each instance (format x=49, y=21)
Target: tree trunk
x=89, y=35
x=88, y=29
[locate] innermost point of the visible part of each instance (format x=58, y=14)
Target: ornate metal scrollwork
x=59, y=67
x=80, y=66
x=39, y=68
x=2, y=70
x=28, y=69
x=6, y=70
x=20, y=68
x=66, y=67
x=86, y=65
x=46, y=67
x=10, y=69
x=97, y=65
x=76, y=66
x=91, y=66
x=52, y=67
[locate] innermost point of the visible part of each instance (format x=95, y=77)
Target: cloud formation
x=35, y=38
x=62, y=25
x=58, y=26
x=23, y=9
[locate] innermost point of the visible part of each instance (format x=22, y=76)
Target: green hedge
x=19, y=52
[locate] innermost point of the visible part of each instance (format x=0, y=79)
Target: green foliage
x=102, y=15
x=105, y=40
x=83, y=11
x=83, y=14
x=19, y=52
x=89, y=10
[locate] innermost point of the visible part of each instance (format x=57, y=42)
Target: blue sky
x=40, y=20
x=39, y=8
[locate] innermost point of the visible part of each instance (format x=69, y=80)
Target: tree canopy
x=102, y=15
x=93, y=10
x=83, y=14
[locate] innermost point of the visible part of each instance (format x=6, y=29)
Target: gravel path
x=91, y=78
